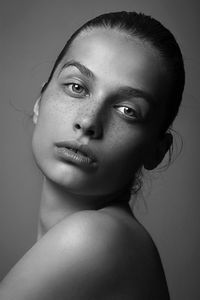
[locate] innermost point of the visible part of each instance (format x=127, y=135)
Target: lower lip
x=78, y=159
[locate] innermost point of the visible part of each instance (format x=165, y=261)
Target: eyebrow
x=129, y=92
x=84, y=70
x=125, y=91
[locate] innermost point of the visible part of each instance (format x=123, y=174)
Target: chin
x=67, y=177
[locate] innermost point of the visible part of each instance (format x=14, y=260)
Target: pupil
x=77, y=88
x=128, y=110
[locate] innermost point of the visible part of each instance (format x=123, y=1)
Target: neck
x=57, y=204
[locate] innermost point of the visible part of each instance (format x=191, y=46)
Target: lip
x=76, y=153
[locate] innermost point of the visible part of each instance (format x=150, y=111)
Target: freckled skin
x=121, y=146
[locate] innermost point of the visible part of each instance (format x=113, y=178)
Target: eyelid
x=76, y=82
x=138, y=115
x=73, y=75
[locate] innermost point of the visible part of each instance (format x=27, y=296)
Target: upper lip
x=74, y=145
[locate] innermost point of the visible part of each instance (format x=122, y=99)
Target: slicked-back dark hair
x=147, y=29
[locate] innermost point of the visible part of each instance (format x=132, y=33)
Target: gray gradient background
x=32, y=34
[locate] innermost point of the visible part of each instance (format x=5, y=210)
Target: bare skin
x=90, y=246
x=103, y=254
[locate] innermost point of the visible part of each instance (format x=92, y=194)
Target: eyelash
x=135, y=115
x=70, y=87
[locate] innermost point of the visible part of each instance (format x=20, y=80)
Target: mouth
x=76, y=153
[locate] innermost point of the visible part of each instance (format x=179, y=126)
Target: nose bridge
x=91, y=109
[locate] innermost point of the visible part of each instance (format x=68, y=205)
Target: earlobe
x=36, y=111
x=158, y=154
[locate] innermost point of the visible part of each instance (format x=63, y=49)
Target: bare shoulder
x=90, y=255
x=140, y=266
x=121, y=254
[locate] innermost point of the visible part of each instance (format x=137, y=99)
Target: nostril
x=90, y=132
x=77, y=126
x=87, y=129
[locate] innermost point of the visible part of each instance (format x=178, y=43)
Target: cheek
x=122, y=158
x=125, y=146
x=51, y=124
x=55, y=119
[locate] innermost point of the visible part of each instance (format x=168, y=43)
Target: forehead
x=116, y=58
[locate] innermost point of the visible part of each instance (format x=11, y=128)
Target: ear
x=36, y=109
x=158, y=153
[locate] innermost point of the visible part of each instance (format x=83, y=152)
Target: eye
x=128, y=112
x=76, y=89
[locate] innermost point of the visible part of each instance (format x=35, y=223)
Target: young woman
x=104, y=113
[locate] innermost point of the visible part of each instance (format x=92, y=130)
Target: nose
x=89, y=122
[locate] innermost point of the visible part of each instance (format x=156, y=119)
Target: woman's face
x=98, y=121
